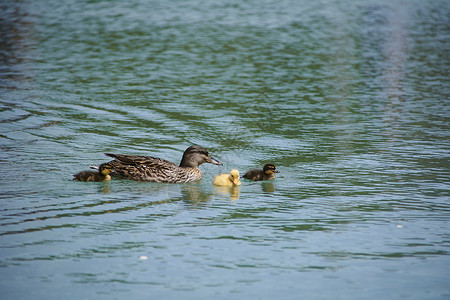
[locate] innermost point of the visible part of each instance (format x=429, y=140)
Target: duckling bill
x=97, y=176
x=148, y=168
x=267, y=173
x=231, y=179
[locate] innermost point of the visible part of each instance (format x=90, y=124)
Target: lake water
x=349, y=99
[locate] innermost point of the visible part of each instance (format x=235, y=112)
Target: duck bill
x=276, y=171
x=214, y=161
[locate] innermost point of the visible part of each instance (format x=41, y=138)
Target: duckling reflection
x=104, y=188
x=231, y=179
x=268, y=187
x=267, y=173
x=97, y=176
x=232, y=192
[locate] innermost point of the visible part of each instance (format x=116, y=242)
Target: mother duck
x=148, y=168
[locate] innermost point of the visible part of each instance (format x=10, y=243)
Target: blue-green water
x=349, y=99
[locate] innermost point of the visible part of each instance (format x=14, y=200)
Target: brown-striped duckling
x=267, y=173
x=148, y=168
x=231, y=179
x=98, y=176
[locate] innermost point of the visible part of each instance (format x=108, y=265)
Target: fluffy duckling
x=98, y=176
x=231, y=179
x=148, y=168
x=265, y=174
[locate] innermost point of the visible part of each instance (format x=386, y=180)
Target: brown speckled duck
x=265, y=174
x=148, y=168
x=101, y=175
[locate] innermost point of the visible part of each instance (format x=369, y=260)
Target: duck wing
x=141, y=160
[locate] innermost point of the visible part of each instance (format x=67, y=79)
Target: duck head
x=269, y=169
x=105, y=169
x=234, y=177
x=195, y=156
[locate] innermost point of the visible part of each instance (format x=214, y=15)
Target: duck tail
x=111, y=155
x=123, y=158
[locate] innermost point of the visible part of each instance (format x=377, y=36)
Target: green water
x=349, y=99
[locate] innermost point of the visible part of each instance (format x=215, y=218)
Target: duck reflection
x=193, y=194
x=268, y=187
x=232, y=192
x=188, y=193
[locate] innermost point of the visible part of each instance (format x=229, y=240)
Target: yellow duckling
x=231, y=179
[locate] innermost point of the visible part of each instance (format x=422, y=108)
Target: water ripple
x=345, y=98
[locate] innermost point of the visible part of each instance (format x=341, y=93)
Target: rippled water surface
x=349, y=99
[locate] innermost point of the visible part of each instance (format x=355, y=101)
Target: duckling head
x=234, y=177
x=195, y=156
x=269, y=169
x=105, y=169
